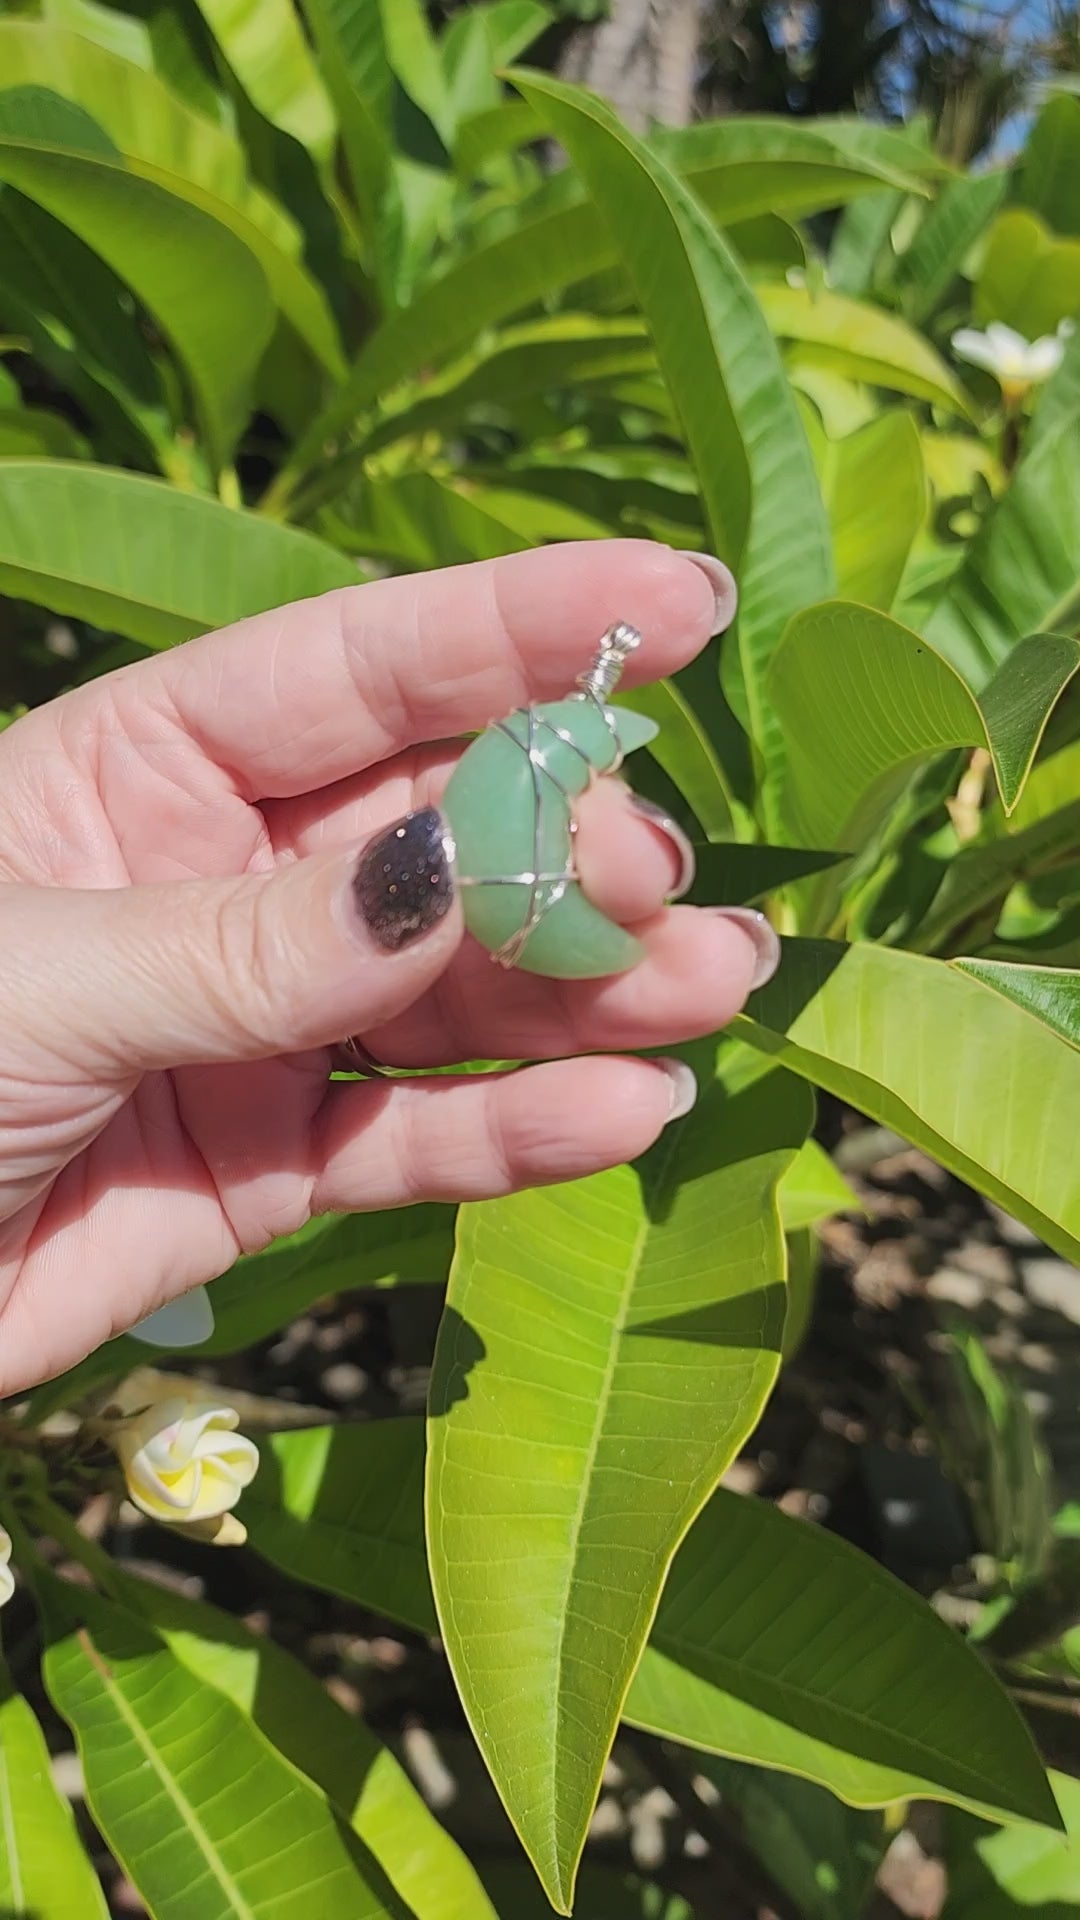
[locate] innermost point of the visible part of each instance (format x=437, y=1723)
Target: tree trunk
x=643, y=58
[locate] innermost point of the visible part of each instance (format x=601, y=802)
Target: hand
x=184, y=939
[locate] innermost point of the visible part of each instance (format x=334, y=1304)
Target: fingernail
x=404, y=884
x=722, y=582
x=683, y=1085
x=659, y=817
x=764, y=936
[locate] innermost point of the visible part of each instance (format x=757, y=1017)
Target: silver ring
x=360, y=1059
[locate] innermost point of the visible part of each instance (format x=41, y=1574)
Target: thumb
x=203, y=971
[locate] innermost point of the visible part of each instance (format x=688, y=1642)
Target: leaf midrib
x=168, y=1780
x=618, y=1329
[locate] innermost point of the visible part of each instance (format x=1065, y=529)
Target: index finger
x=293, y=700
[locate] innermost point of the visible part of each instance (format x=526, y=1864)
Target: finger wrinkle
x=503, y=1166
x=375, y=679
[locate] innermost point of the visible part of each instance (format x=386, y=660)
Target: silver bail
x=602, y=676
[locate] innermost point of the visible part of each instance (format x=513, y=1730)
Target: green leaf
x=1048, y=172
x=862, y=700
x=144, y=559
x=862, y=342
x=332, y=1748
x=768, y=246
x=44, y=1873
x=541, y=356
x=785, y=165
x=1028, y=279
x=976, y=881
x=874, y=484
x=605, y=1349
x=603, y=1894
x=814, y=1189
x=944, y=238
x=417, y=209
x=45, y=267
x=825, y=1855
x=713, y=1674
x=207, y=293
x=683, y=749
x=495, y=131
x=860, y=242
x=414, y=58
x=348, y=37
x=478, y=41
x=340, y=1508
x=265, y=46
x=423, y=520
x=739, y=167
x=387, y=82
x=778, y=1643
x=803, y=1254
x=1022, y=570
x=1018, y=1873
x=32, y=432
x=1051, y=993
x=997, y=1457
x=207, y=1820
x=732, y=875
x=196, y=165
x=119, y=33
x=75, y=317
x=332, y=1254
x=721, y=368
x=927, y=1050
x=634, y=489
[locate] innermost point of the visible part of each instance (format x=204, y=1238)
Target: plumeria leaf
x=341, y=1508
x=863, y=700
x=605, y=1348
x=926, y=1048
x=1021, y=572
x=739, y=416
x=44, y=1872
x=209, y=1821
x=144, y=559
x=330, y=1747
x=1051, y=993
x=779, y=1643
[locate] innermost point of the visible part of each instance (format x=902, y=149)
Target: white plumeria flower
x=183, y=1460
x=1016, y=363
x=7, y=1581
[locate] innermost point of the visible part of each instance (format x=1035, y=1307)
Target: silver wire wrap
x=596, y=684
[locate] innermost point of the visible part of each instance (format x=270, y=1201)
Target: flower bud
x=7, y=1583
x=183, y=1460
x=223, y=1531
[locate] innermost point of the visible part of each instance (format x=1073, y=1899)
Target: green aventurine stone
x=508, y=818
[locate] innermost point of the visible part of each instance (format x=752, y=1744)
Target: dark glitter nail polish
x=403, y=884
